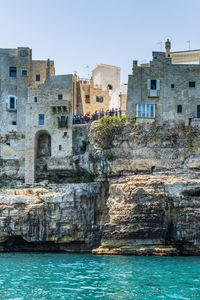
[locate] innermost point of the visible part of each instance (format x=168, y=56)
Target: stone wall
x=38, y=67
x=93, y=105
x=80, y=137
x=12, y=154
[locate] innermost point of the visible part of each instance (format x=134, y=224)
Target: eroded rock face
x=146, y=149
x=152, y=215
x=145, y=199
x=66, y=218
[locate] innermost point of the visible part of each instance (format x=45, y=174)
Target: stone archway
x=42, y=154
x=43, y=145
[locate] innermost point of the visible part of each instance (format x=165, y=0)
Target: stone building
x=167, y=89
x=103, y=91
x=17, y=72
x=48, y=124
x=35, y=114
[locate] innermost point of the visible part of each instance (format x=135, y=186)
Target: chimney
x=48, y=71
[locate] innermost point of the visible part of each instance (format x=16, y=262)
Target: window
x=179, y=109
x=62, y=122
x=14, y=123
x=35, y=99
x=60, y=147
x=13, y=72
x=192, y=84
x=65, y=133
x=87, y=98
x=198, y=111
x=41, y=119
x=60, y=97
x=153, y=84
x=37, y=77
x=99, y=99
x=24, y=72
x=172, y=86
x=145, y=110
x=12, y=102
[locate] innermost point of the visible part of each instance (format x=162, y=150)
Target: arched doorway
x=44, y=145
x=42, y=154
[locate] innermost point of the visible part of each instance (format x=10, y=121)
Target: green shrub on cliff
x=110, y=156
x=84, y=145
x=82, y=177
x=107, y=128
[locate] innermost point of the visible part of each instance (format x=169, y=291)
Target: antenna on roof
x=160, y=43
x=188, y=44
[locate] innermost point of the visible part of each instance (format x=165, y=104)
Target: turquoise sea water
x=65, y=276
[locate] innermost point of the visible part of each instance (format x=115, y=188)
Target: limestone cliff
x=145, y=198
x=152, y=215
x=154, y=189
x=66, y=218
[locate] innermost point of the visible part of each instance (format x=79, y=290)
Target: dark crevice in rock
x=18, y=244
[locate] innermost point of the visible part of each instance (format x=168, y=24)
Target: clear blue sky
x=88, y=32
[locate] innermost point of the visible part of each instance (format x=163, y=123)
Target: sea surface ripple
x=70, y=276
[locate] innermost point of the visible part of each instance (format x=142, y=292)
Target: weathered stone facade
x=17, y=72
x=35, y=105
x=50, y=118
x=164, y=91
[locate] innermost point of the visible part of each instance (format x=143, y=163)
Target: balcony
x=60, y=106
x=63, y=123
x=153, y=93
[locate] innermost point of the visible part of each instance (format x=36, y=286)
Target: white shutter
x=7, y=103
x=158, y=84
x=149, y=84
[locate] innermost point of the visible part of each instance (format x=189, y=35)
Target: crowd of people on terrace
x=84, y=119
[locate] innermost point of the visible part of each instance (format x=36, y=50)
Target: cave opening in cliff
x=19, y=244
x=192, y=193
x=15, y=241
